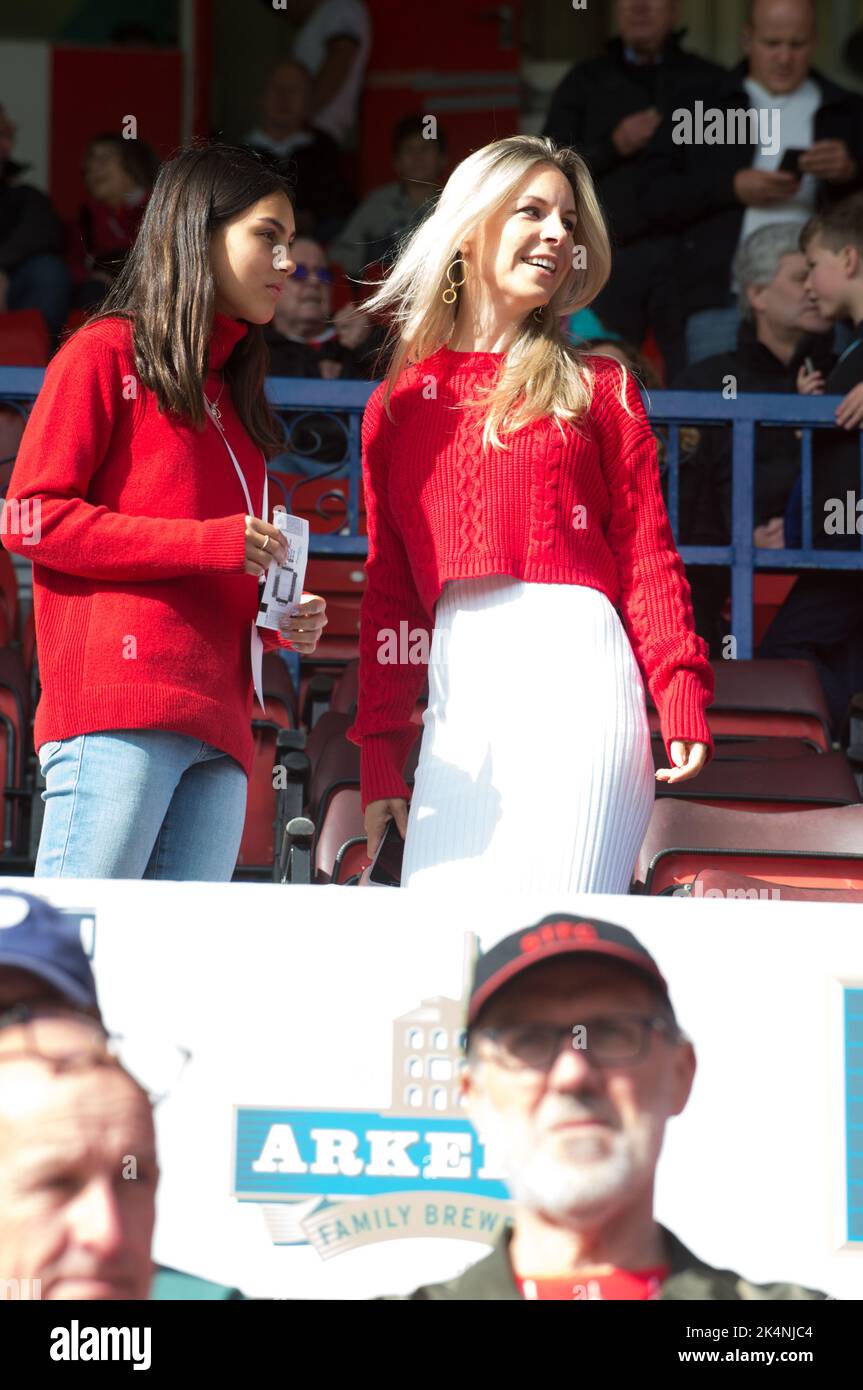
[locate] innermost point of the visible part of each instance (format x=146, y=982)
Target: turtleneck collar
x=226, y=333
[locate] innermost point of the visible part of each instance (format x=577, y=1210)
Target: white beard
x=598, y=1174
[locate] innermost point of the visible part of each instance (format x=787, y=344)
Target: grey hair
x=757, y=260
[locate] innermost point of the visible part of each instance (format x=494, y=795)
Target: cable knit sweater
x=586, y=508
x=143, y=610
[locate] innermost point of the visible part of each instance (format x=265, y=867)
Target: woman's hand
x=689, y=759
x=303, y=629
x=263, y=544
x=378, y=813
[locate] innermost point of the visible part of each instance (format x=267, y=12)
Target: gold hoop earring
x=449, y=296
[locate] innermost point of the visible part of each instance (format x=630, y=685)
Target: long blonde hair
x=543, y=373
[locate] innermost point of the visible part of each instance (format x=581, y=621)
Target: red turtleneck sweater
x=142, y=606
x=584, y=509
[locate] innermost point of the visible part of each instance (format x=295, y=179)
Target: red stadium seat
x=718, y=883
x=74, y=320
x=807, y=849
x=346, y=689
x=769, y=592
x=768, y=784
x=24, y=339
x=766, y=699
x=341, y=583
x=12, y=424
x=14, y=747
x=761, y=749
x=257, y=847
x=351, y=861
x=342, y=821
x=335, y=762
x=8, y=599
x=280, y=697
x=747, y=749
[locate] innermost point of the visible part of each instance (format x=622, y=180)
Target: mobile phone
x=809, y=365
x=791, y=163
x=386, y=867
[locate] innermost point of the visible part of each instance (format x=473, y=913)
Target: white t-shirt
x=796, y=132
x=329, y=20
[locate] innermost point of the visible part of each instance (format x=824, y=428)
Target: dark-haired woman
x=144, y=463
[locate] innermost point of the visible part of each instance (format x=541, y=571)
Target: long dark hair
x=166, y=285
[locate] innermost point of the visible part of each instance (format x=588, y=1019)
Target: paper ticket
x=284, y=587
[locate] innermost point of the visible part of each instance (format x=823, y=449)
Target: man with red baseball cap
x=575, y=1063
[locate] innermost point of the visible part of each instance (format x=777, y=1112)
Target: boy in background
x=822, y=618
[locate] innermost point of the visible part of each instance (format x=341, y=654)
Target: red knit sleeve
x=73, y=423
x=393, y=624
x=656, y=601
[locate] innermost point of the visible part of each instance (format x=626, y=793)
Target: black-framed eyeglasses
x=304, y=272
x=606, y=1039
x=155, y=1065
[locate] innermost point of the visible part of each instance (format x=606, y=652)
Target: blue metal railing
x=677, y=408
x=674, y=409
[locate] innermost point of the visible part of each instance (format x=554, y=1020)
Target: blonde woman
x=514, y=505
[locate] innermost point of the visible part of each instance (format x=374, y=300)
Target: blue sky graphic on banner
x=854, y=1110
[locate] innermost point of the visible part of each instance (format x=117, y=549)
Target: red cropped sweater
x=142, y=606
x=586, y=508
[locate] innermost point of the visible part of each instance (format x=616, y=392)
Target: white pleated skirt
x=535, y=770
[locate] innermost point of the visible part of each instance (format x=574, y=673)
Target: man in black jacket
x=608, y=109
x=32, y=272
x=706, y=177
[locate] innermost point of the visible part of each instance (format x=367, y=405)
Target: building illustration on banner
x=341, y=1179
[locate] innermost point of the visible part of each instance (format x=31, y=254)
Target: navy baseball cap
x=558, y=934
x=34, y=936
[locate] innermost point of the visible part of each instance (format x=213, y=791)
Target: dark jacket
x=705, y=479
x=29, y=225
x=835, y=463
x=690, y=188
x=690, y=1278
x=596, y=95
x=290, y=358
x=323, y=197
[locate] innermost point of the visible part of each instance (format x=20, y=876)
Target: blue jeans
x=140, y=803
x=712, y=331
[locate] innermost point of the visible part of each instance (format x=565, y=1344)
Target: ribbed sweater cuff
x=382, y=757
x=223, y=544
x=682, y=713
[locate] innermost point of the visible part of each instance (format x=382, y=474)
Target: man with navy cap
x=42, y=960
x=575, y=1063
x=78, y=1164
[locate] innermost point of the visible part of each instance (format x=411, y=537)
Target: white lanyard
x=257, y=646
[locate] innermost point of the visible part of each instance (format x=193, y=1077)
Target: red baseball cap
x=558, y=934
